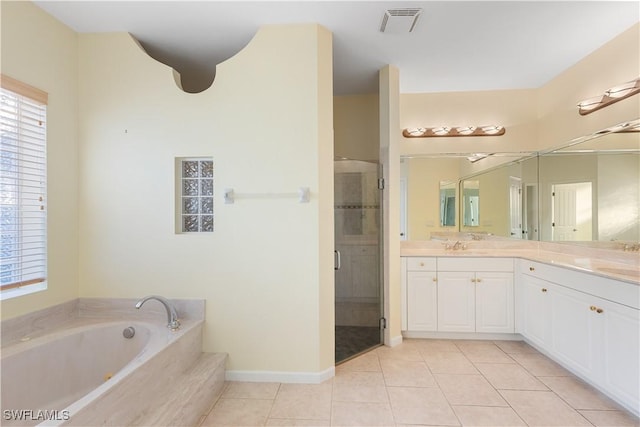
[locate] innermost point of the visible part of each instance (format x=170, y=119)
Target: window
x=23, y=214
x=196, y=194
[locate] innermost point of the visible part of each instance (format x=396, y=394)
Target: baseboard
x=281, y=376
x=461, y=335
x=394, y=341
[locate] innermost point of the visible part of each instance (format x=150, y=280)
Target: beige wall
x=41, y=52
x=513, y=109
x=356, y=127
x=266, y=272
x=616, y=62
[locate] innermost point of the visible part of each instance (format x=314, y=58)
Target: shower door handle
x=337, y=263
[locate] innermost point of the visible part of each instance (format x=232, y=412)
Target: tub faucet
x=172, y=314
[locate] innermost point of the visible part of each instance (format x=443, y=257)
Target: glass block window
x=196, y=189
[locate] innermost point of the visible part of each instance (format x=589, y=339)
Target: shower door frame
x=381, y=322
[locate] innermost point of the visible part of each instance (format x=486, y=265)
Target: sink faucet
x=172, y=316
x=457, y=245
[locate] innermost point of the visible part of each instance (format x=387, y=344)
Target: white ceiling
x=456, y=45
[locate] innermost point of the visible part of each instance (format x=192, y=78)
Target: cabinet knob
x=544, y=289
x=473, y=280
x=593, y=308
x=531, y=269
x=599, y=310
x=422, y=264
x=435, y=279
x=478, y=280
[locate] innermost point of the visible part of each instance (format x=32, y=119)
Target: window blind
x=23, y=222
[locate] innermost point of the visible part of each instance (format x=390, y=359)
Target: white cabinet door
x=535, y=310
x=573, y=330
x=494, y=302
x=456, y=302
x=422, y=300
x=620, y=346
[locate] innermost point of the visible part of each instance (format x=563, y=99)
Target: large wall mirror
x=585, y=191
x=590, y=191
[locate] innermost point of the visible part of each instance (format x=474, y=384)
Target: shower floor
x=353, y=340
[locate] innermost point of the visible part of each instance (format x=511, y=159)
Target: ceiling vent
x=399, y=21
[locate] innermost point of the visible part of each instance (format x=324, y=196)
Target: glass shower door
x=358, y=292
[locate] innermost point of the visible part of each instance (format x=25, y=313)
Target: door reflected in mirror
x=447, y=204
x=471, y=203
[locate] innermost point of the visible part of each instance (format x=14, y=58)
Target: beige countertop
x=613, y=264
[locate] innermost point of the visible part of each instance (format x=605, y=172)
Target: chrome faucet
x=172, y=315
x=457, y=245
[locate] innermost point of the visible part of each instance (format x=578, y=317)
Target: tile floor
x=429, y=383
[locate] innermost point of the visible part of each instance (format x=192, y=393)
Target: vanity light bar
x=610, y=96
x=454, y=131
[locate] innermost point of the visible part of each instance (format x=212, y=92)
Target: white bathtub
x=91, y=374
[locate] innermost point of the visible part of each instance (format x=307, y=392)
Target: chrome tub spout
x=172, y=315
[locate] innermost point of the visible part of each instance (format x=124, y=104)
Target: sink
x=621, y=271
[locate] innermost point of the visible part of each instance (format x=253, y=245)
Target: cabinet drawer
x=603, y=287
x=475, y=264
x=421, y=264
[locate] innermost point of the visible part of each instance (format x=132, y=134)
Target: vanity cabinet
x=590, y=330
x=458, y=294
x=422, y=309
x=475, y=295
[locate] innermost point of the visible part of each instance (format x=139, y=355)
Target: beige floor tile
x=611, y=418
x=509, y=376
x=250, y=390
x=361, y=414
x=469, y=390
x=424, y=406
x=360, y=387
x=407, y=352
x=578, y=394
x=490, y=416
x=540, y=365
x=239, y=412
x=298, y=391
x=297, y=423
x=402, y=373
x=360, y=393
x=303, y=401
x=543, y=408
x=358, y=378
x=302, y=408
x=448, y=363
x=485, y=352
x=436, y=346
x=368, y=362
x=511, y=347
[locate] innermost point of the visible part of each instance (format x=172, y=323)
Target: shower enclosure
x=358, y=267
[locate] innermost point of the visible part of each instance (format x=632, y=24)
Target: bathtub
x=88, y=373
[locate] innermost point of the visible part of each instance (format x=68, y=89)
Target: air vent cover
x=400, y=21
